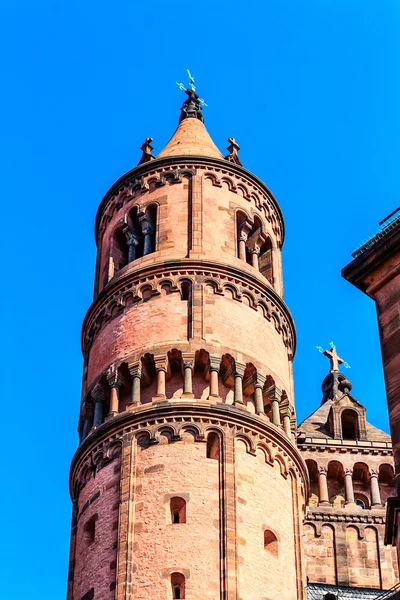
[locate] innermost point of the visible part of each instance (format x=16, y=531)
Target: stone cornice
x=202, y=161
x=169, y=412
x=365, y=448
x=365, y=516
x=367, y=262
x=132, y=274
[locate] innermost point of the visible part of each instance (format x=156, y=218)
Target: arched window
x=265, y=261
x=119, y=250
x=270, y=542
x=362, y=501
x=90, y=530
x=213, y=446
x=350, y=429
x=178, y=585
x=135, y=238
x=148, y=222
x=243, y=228
x=178, y=510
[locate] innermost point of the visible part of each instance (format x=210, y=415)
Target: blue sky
x=310, y=90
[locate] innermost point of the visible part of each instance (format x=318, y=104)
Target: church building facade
x=351, y=471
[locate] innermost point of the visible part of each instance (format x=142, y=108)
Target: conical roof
x=191, y=138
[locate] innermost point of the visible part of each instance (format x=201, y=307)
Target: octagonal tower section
x=187, y=482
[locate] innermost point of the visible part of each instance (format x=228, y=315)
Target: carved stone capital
x=161, y=363
x=98, y=393
x=135, y=369
x=112, y=376
x=322, y=471
x=244, y=231
x=130, y=235
x=259, y=381
x=288, y=411
x=214, y=363
x=146, y=224
x=274, y=393
x=239, y=369
x=188, y=361
x=348, y=472
x=255, y=250
x=374, y=473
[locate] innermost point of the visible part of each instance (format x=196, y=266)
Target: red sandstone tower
x=187, y=482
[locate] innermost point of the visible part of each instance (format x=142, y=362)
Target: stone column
x=132, y=241
x=244, y=231
x=161, y=369
x=98, y=398
x=376, y=501
x=323, y=487
x=213, y=367
x=87, y=422
x=111, y=268
x=238, y=390
x=114, y=383
x=274, y=395
x=135, y=369
x=188, y=366
x=258, y=394
x=148, y=231
x=348, y=486
x=255, y=253
x=286, y=422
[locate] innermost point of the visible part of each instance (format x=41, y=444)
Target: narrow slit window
x=178, y=510
x=213, y=446
x=90, y=531
x=178, y=585
x=270, y=542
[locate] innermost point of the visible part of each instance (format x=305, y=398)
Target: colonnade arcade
x=352, y=486
x=134, y=237
x=178, y=375
x=253, y=245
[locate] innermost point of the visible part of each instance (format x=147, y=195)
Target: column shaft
x=114, y=400
x=131, y=252
x=276, y=417
x=98, y=413
x=348, y=485
x=136, y=389
x=375, y=493
x=258, y=397
x=242, y=250
x=188, y=378
x=161, y=382
x=147, y=244
x=238, y=391
x=214, y=383
x=286, y=426
x=254, y=260
x=87, y=424
x=323, y=487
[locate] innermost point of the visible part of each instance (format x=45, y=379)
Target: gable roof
x=315, y=425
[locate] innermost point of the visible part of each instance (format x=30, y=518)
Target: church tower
x=187, y=482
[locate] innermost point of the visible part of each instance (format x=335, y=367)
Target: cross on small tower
x=334, y=359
